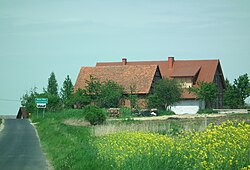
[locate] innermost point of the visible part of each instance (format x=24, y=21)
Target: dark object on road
x=22, y=114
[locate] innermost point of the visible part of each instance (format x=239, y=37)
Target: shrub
x=125, y=112
x=165, y=112
x=94, y=115
x=207, y=111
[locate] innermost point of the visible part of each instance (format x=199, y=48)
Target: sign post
x=41, y=104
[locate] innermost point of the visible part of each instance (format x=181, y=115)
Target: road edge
x=48, y=163
x=2, y=125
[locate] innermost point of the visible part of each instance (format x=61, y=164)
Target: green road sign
x=41, y=100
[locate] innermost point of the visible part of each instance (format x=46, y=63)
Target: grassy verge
x=67, y=147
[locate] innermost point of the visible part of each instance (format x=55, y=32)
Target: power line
x=9, y=100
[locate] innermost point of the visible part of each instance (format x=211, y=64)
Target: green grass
x=66, y=147
x=70, y=147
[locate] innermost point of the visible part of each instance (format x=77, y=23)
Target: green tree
x=236, y=93
x=205, y=91
x=106, y=94
x=80, y=99
x=243, y=85
x=66, y=92
x=54, y=102
x=28, y=100
x=232, y=98
x=52, y=87
x=110, y=94
x=166, y=92
x=93, y=88
x=132, y=96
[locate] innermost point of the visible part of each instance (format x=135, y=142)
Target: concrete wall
x=188, y=107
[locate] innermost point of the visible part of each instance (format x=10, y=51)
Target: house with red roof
x=143, y=74
x=135, y=79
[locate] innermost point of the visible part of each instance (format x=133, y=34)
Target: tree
x=110, y=94
x=28, y=100
x=52, y=87
x=54, y=102
x=66, y=91
x=166, y=93
x=93, y=88
x=232, y=98
x=243, y=85
x=80, y=99
x=236, y=93
x=205, y=91
x=106, y=94
x=132, y=96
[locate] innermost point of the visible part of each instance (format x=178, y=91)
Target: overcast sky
x=38, y=37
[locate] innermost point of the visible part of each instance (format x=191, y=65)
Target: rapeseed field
x=226, y=146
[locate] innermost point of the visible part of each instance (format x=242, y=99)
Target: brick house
x=187, y=72
x=140, y=77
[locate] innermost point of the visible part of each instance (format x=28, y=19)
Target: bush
x=165, y=112
x=207, y=111
x=125, y=112
x=94, y=115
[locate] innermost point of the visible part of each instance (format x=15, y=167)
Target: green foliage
x=236, y=93
x=73, y=147
x=80, y=99
x=52, y=87
x=54, y=102
x=94, y=115
x=207, y=111
x=205, y=91
x=110, y=95
x=67, y=147
x=66, y=92
x=232, y=98
x=166, y=93
x=154, y=102
x=93, y=88
x=105, y=94
x=243, y=84
x=132, y=96
x=165, y=112
x=125, y=112
x=28, y=100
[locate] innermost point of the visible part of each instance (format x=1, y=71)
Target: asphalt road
x=19, y=147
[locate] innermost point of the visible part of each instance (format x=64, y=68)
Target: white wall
x=188, y=107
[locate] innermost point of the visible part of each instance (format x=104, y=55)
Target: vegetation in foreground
x=73, y=147
x=219, y=147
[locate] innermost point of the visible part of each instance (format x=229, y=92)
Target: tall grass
x=162, y=127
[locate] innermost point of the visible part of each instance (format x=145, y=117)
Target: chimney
x=124, y=61
x=170, y=62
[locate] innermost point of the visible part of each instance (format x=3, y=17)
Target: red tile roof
x=186, y=71
x=207, y=67
x=204, y=69
x=127, y=75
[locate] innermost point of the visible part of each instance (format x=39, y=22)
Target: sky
x=38, y=37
